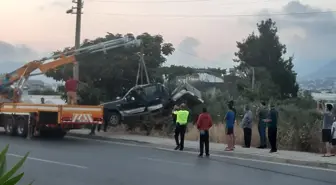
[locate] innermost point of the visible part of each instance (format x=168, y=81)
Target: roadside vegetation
x=10, y=177
x=260, y=55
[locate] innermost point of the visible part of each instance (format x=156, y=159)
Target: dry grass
x=217, y=133
x=292, y=135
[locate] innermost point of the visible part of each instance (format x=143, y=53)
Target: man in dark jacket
x=263, y=115
x=204, y=123
x=272, y=124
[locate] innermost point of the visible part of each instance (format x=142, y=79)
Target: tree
x=106, y=76
x=264, y=52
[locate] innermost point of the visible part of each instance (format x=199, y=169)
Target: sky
x=204, y=32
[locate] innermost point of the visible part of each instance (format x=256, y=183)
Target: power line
x=172, y=1
x=181, y=1
x=215, y=16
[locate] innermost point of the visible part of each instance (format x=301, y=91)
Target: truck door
x=133, y=104
x=155, y=97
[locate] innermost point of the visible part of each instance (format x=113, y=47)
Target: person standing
x=328, y=119
x=247, y=126
x=262, y=114
x=333, y=138
x=231, y=102
x=182, y=116
x=42, y=100
x=71, y=90
x=5, y=82
x=229, y=118
x=204, y=123
x=272, y=124
x=176, y=131
x=174, y=112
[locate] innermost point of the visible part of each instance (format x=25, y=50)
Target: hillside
x=326, y=71
x=7, y=67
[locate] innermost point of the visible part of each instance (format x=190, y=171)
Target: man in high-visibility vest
x=176, y=131
x=182, y=116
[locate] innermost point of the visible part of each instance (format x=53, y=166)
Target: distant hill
x=6, y=67
x=326, y=71
x=18, y=53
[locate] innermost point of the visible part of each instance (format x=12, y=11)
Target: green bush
x=299, y=125
x=10, y=177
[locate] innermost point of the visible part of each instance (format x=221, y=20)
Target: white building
x=36, y=99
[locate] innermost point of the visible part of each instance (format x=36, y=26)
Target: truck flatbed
x=19, y=118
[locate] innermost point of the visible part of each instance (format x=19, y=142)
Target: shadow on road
x=47, y=139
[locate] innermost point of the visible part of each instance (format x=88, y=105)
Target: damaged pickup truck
x=149, y=98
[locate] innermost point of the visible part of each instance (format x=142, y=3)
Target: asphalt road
x=75, y=161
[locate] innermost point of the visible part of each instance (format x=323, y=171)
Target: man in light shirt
x=333, y=140
x=247, y=126
x=328, y=119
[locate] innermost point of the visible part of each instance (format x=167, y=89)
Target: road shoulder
x=282, y=156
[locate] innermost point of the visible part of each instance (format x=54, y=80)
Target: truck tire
x=62, y=134
x=114, y=119
x=10, y=127
x=59, y=134
x=53, y=134
x=22, y=126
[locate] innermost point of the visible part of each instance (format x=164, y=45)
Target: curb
x=324, y=165
x=103, y=138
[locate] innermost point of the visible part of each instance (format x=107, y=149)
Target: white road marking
x=260, y=161
x=166, y=161
x=215, y=155
x=49, y=161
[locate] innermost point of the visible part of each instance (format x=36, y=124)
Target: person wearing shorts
x=71, y=90
x=328, y=119
x=230, y=119
x=333, y=138
x=231, y=103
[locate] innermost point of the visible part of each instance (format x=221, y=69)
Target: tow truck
x=28, y=120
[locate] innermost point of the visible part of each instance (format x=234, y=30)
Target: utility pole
x=253, y=78
x=78, y=11
x=143, y=68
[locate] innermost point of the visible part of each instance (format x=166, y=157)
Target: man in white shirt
x=333, y=136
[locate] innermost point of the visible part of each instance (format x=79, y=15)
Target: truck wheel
x=62, y=134
x=10, y=126
x=59, y=134
x=22, y=127
x=114, y=119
